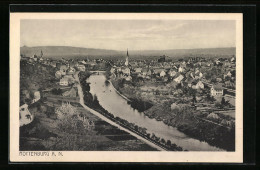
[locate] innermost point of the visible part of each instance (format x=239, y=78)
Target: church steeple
x=41, y=54
x=126, y=60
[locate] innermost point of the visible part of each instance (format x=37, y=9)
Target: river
x=110, y=100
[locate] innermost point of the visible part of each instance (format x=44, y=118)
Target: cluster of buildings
x=65, y=74
x=190, y=73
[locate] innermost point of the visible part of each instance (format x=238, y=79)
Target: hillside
x=71, y=52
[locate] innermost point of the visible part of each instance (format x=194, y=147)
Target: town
x=195, y=94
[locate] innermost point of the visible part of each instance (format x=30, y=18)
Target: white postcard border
x=123, y=156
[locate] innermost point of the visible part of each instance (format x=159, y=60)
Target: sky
x=131, y=34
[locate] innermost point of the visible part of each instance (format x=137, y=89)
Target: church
x=126, y=69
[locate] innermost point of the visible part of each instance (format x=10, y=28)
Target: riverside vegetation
x=186, y=119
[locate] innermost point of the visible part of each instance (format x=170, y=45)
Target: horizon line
x=126, y=48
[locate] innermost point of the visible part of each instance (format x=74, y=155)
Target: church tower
x=126, y=60
x=41, y=54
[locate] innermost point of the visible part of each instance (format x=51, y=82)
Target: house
x=233, y=59
x=91, y=63
x=128, y=78
x=149, y=73
x=192, y=75
x=126, y=71
x=31, y=60
x=229, y=74
x=183, y=63
x=162, y=73
x=37, y=96
x=148, y=77
x=81, y=67
x=161, y=59
x=158, y=71
x=112, y=70
x=174, y=106
x=218, y=79
x=172, y=73
x=144, y=72
x=199, y=85
x=181, y=69
x=71, y=70
x=70, y=78
x=63, y=69
x=174, y=67
x=64, y=81
x=119, y=69
x=229, y=84
x=34, y=57
x=200, y=75
x=213, y=116
x=138, y=70
x=179, y=79
x=165, y=79
x=173, y=84
x=25, y=117
x=217, y=62
x=53, y=64
x=216, y=90
x=189, y=81
x=58, y=74
x=83, y=62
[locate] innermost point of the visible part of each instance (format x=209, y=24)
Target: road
x=81, y=101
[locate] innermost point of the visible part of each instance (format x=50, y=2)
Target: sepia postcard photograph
x=126, y=87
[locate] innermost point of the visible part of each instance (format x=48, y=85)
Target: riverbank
x=92, y=102
x=187, y=121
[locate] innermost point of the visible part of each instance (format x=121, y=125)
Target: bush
x=72, y=121
x=56, y=91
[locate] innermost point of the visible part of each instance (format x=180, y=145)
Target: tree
x=162, y=141
x=224, y=102
x=148, y=135
x=194, y=100
x=178, y=86
x=108, y=73
x=210, y=98
x=218, y=105
x=168, y=143
x=56, y=91
x=153, y=136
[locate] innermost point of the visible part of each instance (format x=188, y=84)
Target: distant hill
x=66, y=51
x=71, y=52
x=204, y=51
